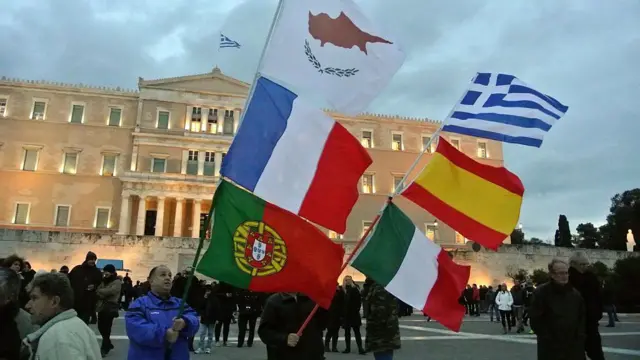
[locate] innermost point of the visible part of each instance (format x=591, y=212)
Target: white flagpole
x=276, y=17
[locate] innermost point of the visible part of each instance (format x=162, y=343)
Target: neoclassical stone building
x=77, y=158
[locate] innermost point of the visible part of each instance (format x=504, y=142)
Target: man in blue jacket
x=154, y=330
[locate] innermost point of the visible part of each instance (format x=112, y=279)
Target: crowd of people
x=46, y=315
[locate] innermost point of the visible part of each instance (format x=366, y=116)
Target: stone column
x=217, y=159
x=142, y=214
x=220, y=120
x=236, y=123
x=177, y=223
x=134, y=158
x=200, y=162
x=195, y=230
x=185, y=158
x=204, y=119
x=187, y=119
x=125, y=215
x=160, y=216
x=139, y=114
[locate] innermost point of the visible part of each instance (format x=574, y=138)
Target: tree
x=624, y=216
x=588, y=236
x=563, y=234
x=600, y=269
x=517, y=274
x=626, y=277
x=539, y=276
x=517, y=237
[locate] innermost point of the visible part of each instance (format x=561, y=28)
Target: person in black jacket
x=208, y=317
x=249, y=308
x=351, y=318
x=85, y=279
x=334, y=320
x=225, y=293
x=281, y=318
x=588, y=285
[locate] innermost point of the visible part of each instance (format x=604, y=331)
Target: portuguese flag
x=258, y=246
x=414, y=269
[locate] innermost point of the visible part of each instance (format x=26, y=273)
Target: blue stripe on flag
x=520, y=121
x=263, y=124
x=493, y=135
x=519, y=89
x=498, y=100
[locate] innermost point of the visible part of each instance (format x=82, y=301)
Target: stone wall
x=48, y=250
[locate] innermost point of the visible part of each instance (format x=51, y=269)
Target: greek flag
x=503, y=108
x=225, y=42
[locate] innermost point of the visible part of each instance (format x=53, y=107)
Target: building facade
x=76, y=158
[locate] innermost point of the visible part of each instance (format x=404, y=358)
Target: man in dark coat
x=334, y=320
x=351, y=317
x=282, y=316
x=588, y=285
x=85, y=279
x=557, y=315
x=249, y=308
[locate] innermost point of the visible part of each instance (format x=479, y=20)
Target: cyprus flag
x=329, y=49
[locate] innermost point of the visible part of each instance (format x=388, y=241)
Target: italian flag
x=417, y=271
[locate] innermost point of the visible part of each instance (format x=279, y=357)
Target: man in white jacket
x=62, y=335
x=504, y=301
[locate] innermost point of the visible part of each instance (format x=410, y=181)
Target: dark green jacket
x=383, y=328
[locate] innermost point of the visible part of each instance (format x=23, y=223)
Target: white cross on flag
x=329, y=49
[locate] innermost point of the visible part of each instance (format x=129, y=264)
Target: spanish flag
x=479, y=201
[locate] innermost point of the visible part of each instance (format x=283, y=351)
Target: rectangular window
x=396, y=142
x=367, y=184
x=431, y=232
x=38, y=111
x=77, y=114
x=209, y=163
x=30, y=161
x=3, y=106
x=159, y=165
x=22, y=214
x=482, y=150
x=367, y=139
x=62, y=215
x=102, y=218
x=192, y=163
x=426, y=147
x=455, y=143
x=212, y=121
x=109, y=165
x=163, y=120
x=196, y=119
x=396, y=182
x=460, y=240
x=228, y=122
x=333, y=235
x=365, y=226
x=115, y=116
x=70, y=163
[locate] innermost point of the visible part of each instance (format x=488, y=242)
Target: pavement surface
x=477, y=340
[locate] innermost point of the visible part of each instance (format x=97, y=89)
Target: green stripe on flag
x=385, y=250
x=232, y=207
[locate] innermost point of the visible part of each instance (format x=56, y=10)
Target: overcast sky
x=585, y=53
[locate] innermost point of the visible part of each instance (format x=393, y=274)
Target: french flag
x=293, y=155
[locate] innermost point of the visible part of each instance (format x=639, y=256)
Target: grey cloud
x=584, y=53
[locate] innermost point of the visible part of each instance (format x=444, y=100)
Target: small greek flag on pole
x=225, y=42
x=503, y=108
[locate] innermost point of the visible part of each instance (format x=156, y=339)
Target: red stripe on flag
x=468, y=227
x=497, y=175
x=334, y=188
x=442, y=303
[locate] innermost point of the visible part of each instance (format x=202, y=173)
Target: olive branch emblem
x=327, y=70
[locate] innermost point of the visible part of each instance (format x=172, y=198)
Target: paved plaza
x=477, y=340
